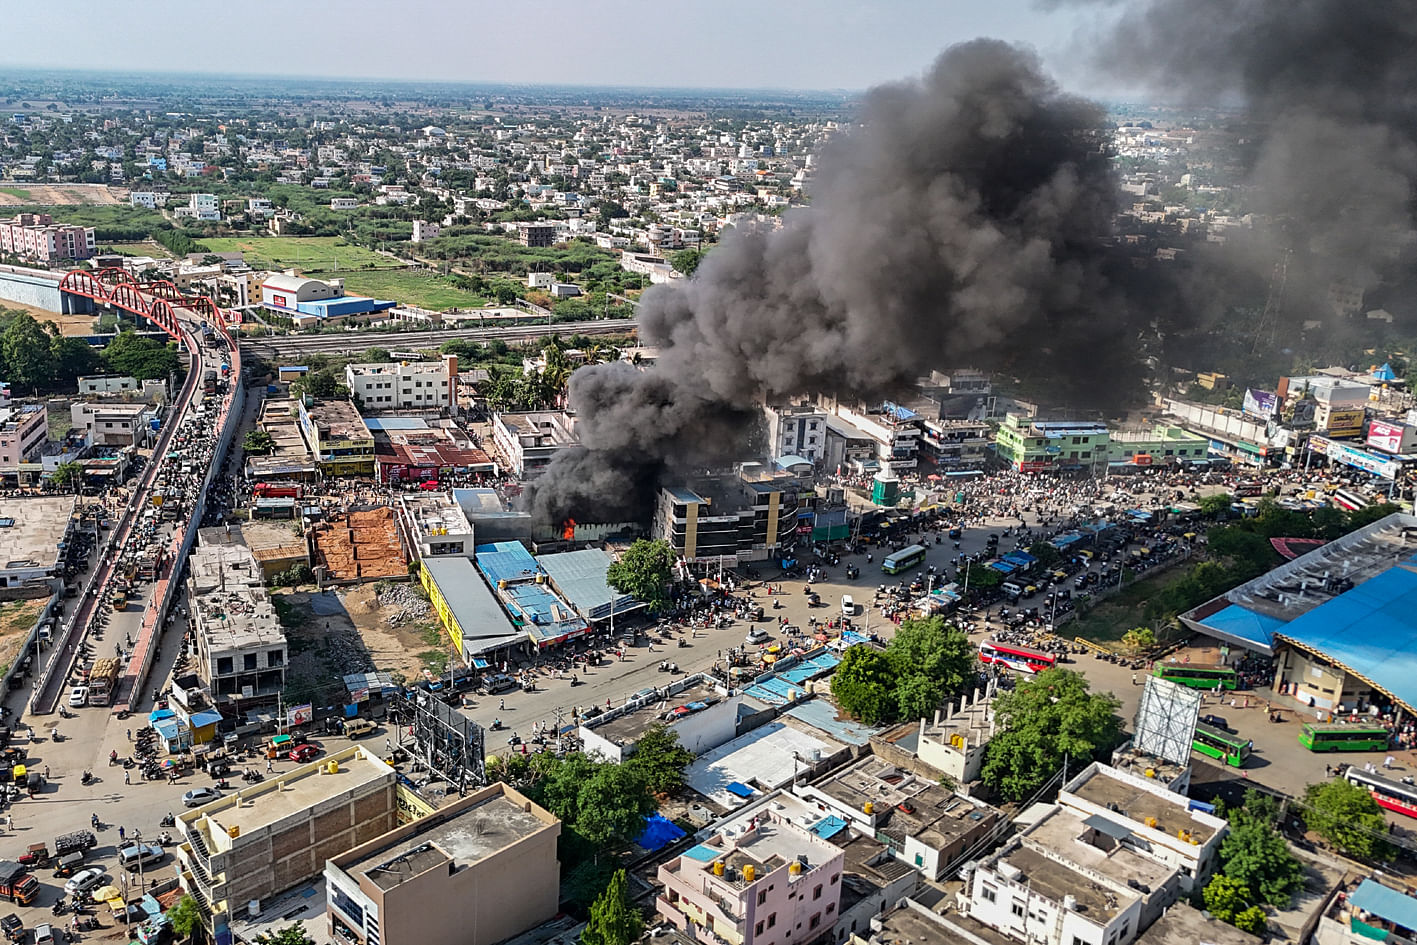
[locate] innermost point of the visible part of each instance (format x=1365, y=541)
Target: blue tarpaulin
x=738, y=789
x=828, y=827
x=1385, y=903
x=658, y=834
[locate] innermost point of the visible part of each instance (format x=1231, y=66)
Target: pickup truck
x=13, y=928
x=79, y=841
x=16, y=885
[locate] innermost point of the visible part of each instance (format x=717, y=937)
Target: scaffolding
x=449, y=746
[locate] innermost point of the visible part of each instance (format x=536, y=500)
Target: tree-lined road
x=285, y=346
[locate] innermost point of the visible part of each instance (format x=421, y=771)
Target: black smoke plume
x=966, y=220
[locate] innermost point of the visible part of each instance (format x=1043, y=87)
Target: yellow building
x=338, y=438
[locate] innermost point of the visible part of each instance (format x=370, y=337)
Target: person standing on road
x=126, y=779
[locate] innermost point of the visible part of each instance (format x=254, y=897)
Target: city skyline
x=838, y=46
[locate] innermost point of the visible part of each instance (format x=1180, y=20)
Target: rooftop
x=221, y=561
x=484, y=623
x=436, y=515
x=765, y=838
x=1080, y=841
x=1183, y=925
x=459, y=835
x=579, y=576
x=238, y=619
x=247, y=810
x=1352, y=602
x=768, y=756
x=910, y=806
x=1055, y=881
x=31, y=528
x=626, y=728
x=338, y=420
x=972, y=719
x=1115, y=791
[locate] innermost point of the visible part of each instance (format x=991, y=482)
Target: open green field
x=421, y=287
x=306, y=253
x=19, y=193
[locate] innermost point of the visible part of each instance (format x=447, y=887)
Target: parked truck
x=80, y=841
x=103, y=680
x=16, y=885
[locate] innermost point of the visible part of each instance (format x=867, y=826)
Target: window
x=1018, y=908
x=987, y=894
x=772, y=920
x=758, y=929
x=224, y=665
x=831, y=907
x=835, y=877
x=815, y=921
x=249, y=661
x=762, y=896
x=817, y=893
x=1078, y=940
x=275, y=658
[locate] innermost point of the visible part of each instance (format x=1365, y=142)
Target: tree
x=1046, y=554
x=27, y=355
x=1346, y=816
x=614, y=920
x=612, y=804
x=1217, y=505
x=863, y=686
x=185, y=916
x=929, y=661
x=324, y=383
x=1139, y=639
x=686, y=260
x=258, y=441
x=144, y=358
x=1254, y=853
x=67, y=475
x=659, y=759
x=72, y=359
x=293, y=934
x=1044, y=720
x=644, y=572
x=377, y=355
x=1229, y=901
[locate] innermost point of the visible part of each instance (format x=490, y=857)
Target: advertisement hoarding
x=1345, y=422
x=1261, y=403
x=1355, y=457
x=1391, y=437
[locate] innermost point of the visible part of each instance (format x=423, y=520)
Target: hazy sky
x=795, y=44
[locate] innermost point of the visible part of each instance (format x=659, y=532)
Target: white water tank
x=253, y=908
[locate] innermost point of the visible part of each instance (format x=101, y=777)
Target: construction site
x=361, y=545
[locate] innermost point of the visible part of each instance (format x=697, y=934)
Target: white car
x=848, y=606
x=85, y=880
x=79, y=696
x=756, y=636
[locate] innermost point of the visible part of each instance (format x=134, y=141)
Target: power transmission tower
x=1274, y=302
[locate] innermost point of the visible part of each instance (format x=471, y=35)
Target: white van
x=848, y=606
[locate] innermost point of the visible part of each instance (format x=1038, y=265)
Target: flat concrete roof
x=937, y=816
x=1182, y=924
x=1061, y=830
x=253, y=808
x=626, y=729
x=1053, y=880
x=340, y=418
x=768, y=755
x=34, y=526
x=1138, y=804
x=460, y=836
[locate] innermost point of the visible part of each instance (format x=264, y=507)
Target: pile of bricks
x=360, y=546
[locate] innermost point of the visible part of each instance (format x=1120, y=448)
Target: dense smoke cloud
x=1329, y=89
x=967, y=220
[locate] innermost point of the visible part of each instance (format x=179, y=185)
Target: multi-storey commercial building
x=114, y=424
x=1161, y=445
x=23, y=432
x=761, y=879
x=404, y=385
x=954, y=445
x=35, y=236
x=797, y=430
x=528, y=441
x=258, y=841
x=744, y=517
x=476, y=872
x=1052, y=445
x=338, y=438
x=894, y=429
x=537, y=234
x=241, y=648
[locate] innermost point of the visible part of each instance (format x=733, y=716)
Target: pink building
x=761, y=880
x=37, y=237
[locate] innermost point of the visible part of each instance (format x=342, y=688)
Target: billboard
x=1261, y=403
x=301, y=714
x=1352, y=456
x=1347, y=421
x=1391, y=437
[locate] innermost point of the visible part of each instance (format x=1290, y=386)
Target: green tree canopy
x=185, y=916
x=929, y=661
x=687, y=260
x=67, y=475
x=325, y=383
x=1254, y=853
x=258, y=441
x=612, y=805
x=73, y=358
x=26, y=349
x=1139, y=639
x=1217, y=505
x=1229, y=901
x=863, y=685
x=144, y=358
x=644, y=572
x=1044, y=720
x=1346, y=816
x=614, y=920
x=659, y=759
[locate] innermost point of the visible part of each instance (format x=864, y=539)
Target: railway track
x=281, y=346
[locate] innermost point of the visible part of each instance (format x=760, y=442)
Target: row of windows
x=226, y=665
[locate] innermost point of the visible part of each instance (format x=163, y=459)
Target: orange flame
x=568, y=531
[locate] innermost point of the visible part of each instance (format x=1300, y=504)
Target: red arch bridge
x=158, y=302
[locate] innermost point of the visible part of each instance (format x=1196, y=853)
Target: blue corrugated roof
x=1371, y=630
x=1243, y=624
x=395, y=423
x=1385, y=903
x=506, y=561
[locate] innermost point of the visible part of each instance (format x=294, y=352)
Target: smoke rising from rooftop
x=967, y=219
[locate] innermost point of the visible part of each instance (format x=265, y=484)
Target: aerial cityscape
x=550, y=474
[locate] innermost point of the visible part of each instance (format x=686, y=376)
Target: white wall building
x=404, y=385
x=423, y=230
x=797, y=430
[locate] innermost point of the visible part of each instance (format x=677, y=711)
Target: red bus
x=1020, y=659
x=1390, y=794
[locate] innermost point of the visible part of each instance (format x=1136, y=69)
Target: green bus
x=904, y=559
x=1343, y=737
x=1231, y=749
x=1197, y=675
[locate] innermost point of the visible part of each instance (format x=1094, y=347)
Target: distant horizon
x=792, y=46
